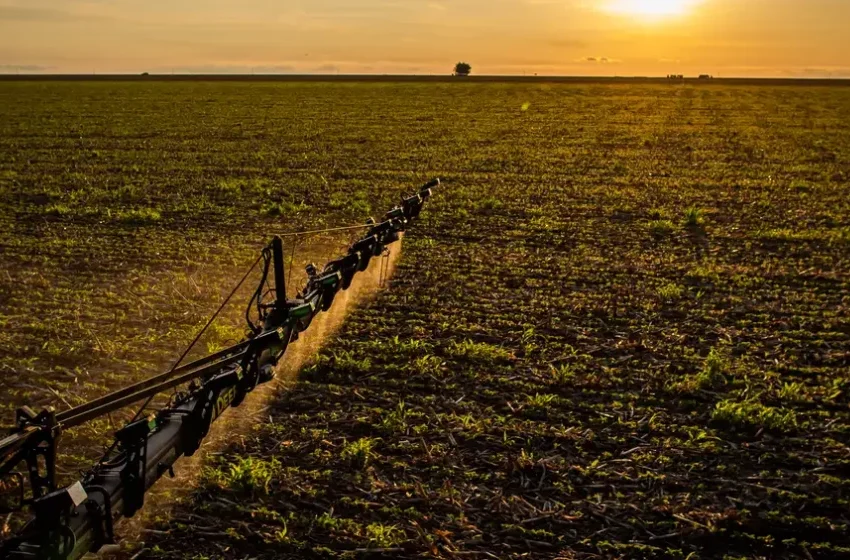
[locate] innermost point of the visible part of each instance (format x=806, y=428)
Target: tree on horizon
x=462, y=69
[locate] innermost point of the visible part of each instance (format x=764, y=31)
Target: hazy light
x=650, y=8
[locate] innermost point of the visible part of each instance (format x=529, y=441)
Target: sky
x=760, y=38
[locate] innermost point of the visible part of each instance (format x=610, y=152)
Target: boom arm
x=71, y=521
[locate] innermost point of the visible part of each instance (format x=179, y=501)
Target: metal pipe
x=151, y=381
x=279, y=280
x=114, y=402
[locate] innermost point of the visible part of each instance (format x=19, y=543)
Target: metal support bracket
x=133, y=440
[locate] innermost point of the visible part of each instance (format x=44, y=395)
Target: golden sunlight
x=650, y=8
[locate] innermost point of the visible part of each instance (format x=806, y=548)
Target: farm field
x=620, y=329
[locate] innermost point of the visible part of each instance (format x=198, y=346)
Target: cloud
x=23, y=68
x=818, y=72
x=568, y=43
x=227, y=69
x=44, y=15
x=599, y=60
x=14, y=13
x=275, y=69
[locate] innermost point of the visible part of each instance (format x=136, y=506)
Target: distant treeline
x=414, y=78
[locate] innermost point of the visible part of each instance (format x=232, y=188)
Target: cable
x=203, y=330
x=189, y=348
x=257, y=296
x=342, y=228
x=291, y=262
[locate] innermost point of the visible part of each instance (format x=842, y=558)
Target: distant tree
x=462, y=69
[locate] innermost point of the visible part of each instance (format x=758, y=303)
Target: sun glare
x=650, y=8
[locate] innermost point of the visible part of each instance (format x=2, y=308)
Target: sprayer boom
x=68, y=522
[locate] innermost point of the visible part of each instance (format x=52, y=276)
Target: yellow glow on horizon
x=651, y=9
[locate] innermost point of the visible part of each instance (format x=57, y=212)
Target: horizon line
x=313, y=75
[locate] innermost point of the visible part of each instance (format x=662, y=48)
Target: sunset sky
x=806, y=38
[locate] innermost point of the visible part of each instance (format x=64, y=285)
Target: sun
x=650, y=8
